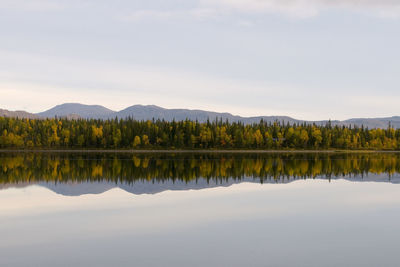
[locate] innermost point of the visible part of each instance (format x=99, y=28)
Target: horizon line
x=195, y=109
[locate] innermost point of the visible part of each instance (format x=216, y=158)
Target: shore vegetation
x=62, y=133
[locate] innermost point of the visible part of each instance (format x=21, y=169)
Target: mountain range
x=149, y=187
x=141, y=112
x=19, y=114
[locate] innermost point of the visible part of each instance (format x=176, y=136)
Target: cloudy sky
x=309, y=59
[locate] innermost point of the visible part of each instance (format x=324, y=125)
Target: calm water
x=199, y=209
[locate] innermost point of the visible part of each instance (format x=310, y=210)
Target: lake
x=199, y=209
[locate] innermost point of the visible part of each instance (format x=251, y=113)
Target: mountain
x=17, y=114
x=76, y=110
x=141, y=112
x=375, y=122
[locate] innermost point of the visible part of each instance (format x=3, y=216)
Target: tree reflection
x=39, y=167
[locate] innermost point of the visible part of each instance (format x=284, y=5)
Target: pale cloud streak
x=152, y=14
x=211, y=9
x=208, y=9
x=115, y=85
x=31, y=5
x=306, y=8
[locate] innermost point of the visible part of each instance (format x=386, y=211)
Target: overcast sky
x=309, y=59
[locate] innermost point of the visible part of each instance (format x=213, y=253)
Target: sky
x=308, y=59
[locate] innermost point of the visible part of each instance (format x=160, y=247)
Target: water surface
x=199, y=209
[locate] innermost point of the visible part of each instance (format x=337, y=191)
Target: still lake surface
x=92, y=209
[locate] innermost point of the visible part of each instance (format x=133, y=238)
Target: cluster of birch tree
x=132, y=134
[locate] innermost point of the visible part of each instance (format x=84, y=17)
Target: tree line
x=60, y=133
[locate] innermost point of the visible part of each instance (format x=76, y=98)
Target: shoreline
x=185, y=151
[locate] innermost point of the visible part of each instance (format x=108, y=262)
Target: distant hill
x=374, y=122
x=142, y=112
x=76, y=110
x=17, y=114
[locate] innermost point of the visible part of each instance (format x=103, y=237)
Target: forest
x=60, y=133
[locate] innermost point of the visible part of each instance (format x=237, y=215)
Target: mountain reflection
x=150, y=173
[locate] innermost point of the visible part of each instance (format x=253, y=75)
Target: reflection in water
x=184, y=171
x=302, y=223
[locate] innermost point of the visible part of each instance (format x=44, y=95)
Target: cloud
x=140, y=15
x=306, y=8
x=153, y=14
x=31, y=5
x=57, y=80
x=206, y=9
x=290, y=7
x=245, y=23
x=35, y=83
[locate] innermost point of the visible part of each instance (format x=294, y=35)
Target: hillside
x=17, y=114
x=76, y=110
x=140, y=112
x=149, y=112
